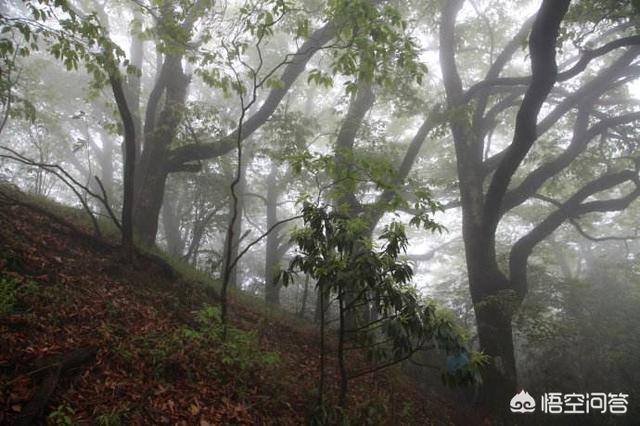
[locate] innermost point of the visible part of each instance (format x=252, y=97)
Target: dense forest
x=319, y=212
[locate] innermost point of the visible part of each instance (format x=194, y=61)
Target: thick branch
x=450, y=74
x=580, y=66
x=579, y=143
x=292, y=71
x=572, y=208
x=591, y=90
x=542, y=47
x=604, y=81
x=360, y=104
x=495, y=70
x=581, y=230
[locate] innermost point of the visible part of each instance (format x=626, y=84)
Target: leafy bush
x=239, y=350
x=110, y=419
x=380, y=312
x=189, y=351
x=11, y=290
x=62, y=416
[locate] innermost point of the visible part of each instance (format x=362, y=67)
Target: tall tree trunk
x=160, y=130
x=199, y=229
x=345, y=178
x=494, y=296
x=305, y=296
x=494, y=304
x=149, y=198
x=129, y=165
x=272, y=258
x=133, y=86
x=105, y=158
x=486, y=282
x=171, y=225
x=157, y=161
x=322, y=303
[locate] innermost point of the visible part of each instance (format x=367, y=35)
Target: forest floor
x=86, y=338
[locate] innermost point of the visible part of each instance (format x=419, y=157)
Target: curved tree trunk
x=159, y=132
x=494, y=307
x=237, y=228
x=171, y=225
x=494, y=296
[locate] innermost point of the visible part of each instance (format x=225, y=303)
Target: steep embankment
x=86, y=338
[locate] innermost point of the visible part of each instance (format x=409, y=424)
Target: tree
x=495, y=294
x=175, y=30
x=512, y=149
x=115, y=80
x=334, y=252
x=158, y=159
x=72, y=44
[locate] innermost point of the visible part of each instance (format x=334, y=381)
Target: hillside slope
x=87, y=339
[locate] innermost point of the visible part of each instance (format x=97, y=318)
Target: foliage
x=69, y=37
x=464, y=368
x=241, y=31
x=592, y=315
x=239, y=350
x=8, y=291
x=239, y=355
x=376, y=45
x=12, y=102
x=11, y=291
x=200, y=118
x=375, y=409
x=62, y=416
x=608, y=10
x=369, y=175
x=591, y=20
x=110, y=419
x=290, y=132
x=335, y=251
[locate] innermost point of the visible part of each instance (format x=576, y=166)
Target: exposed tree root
x=52, y=369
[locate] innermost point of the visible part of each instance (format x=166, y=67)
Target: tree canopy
x=254, y=138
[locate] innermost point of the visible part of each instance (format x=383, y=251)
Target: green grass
x=254, y=303
x=11, y=291
x=76, y=215
x=185, y=271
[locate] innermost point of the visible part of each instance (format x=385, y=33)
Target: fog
x=273, y=145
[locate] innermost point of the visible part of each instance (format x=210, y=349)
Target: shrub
x=188, y=351
x=11, y=290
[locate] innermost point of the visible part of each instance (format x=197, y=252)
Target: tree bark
x=345, y=179
x=237, y=228
x=491, y=291
x=129, y=165
x=133, y=86
x=159, y=133
x=171, y=225
x=305, y=296
x=272, y=258
x=53, y=369
x=157, y=160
